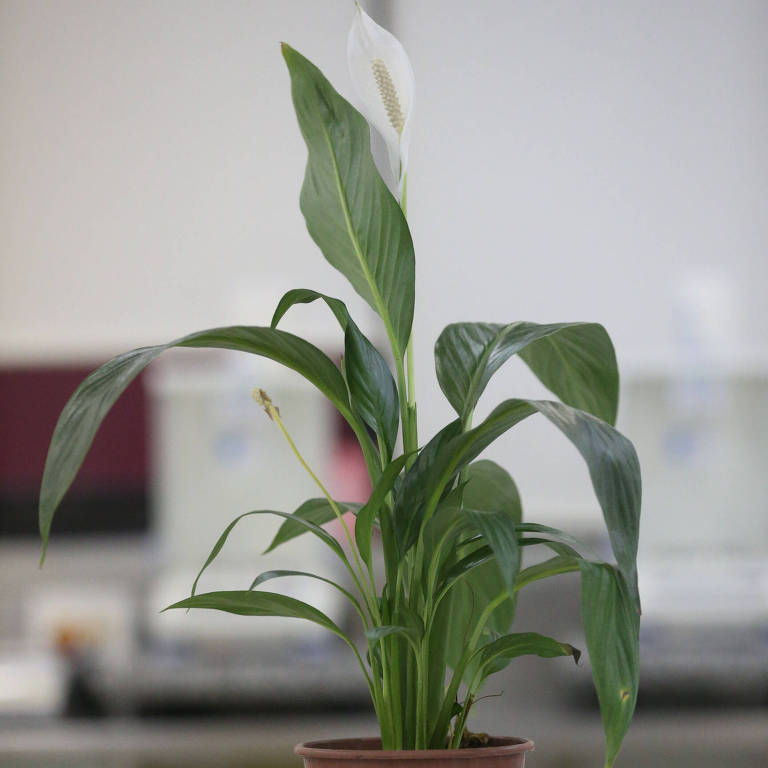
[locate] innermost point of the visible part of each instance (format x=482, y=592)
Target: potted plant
x=451, y=525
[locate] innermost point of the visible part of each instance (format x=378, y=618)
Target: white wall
x=589, y=160
x=150, y=167
x=571, y=161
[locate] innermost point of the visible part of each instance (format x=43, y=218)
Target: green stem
x=274, y=414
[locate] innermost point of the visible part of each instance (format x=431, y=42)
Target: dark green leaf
x=316, y=511
x=350, y=213
x=552, y=567
x=297, y=520
x=611, y=626
x=372, y=389
x=615, y=473
x=248, y=603
x=568, y=544
x=511, y=646
x=379, y=633
x=610, y=457
x=367, y=515
x=279, y=574
x=490, y=486
x=85, y=410
x=498, y=529
x=307, y=296
x=411, y=496
x=576, y=361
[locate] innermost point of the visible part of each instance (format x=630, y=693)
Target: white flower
x=383, y=78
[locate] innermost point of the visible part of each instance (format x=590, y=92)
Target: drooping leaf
x=490, y=486
x=610, y=457
x=611, y=626
x=498, y=529
x=379, y=633
x=296, y=519
x=85, y=410
x=350, y=213
x=411, y=496
x=248, y=603
x=576, y=361
x=547, y=534
x=509, y=647
x=615, y=473
x=317, y=511
x=450, y=451
x=552, y=567
x=367, y=515
x=372, y=389
x=307, y=296
x=280, y=574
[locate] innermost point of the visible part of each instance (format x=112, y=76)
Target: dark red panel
x=30, y=402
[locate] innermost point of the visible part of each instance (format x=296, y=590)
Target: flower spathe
x=383, y=78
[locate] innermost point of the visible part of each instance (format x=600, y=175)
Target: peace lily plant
x=451, y=526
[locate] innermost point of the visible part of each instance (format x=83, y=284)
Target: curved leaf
x=372, y=389
x=248, y=603
x=85, y=410
x=307, y=296
x=552, y=567
x=294, y=518
x=411, y=497
x=490, y=486
x=615, y=473
x=367, y=515
x=371, y=386
x=610, y=457
x=280, y=574
x=498, y=529
x=317, y=511
x=350, y=213
x=611, y=626
x=576, y=361
x=511, y=646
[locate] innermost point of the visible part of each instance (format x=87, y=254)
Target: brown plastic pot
x=367, y=753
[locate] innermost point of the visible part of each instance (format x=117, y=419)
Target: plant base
x=367, y=753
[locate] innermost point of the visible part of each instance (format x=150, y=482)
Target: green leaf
x=85, y=410
x=552, y=567
x=303, y=522
x=498, y=529
x=307, y=296
x=371, y=386
x=248, y=603
x=317, y=511
x=511, y=646
x=448, y=453
x=566, y=544
x=379, y=633
x=611, y=626
x=615, y=473
x=576, y=361
x=280, y=574
x=411, y=496
x=367, y=515
x=490, y=486
x=350, y=213
x=610, y=457
x=372, y=389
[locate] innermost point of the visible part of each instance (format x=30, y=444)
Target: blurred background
x=571, y=161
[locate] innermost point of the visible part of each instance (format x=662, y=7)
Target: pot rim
x=370, y=747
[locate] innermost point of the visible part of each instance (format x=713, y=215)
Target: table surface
x=675, y=738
